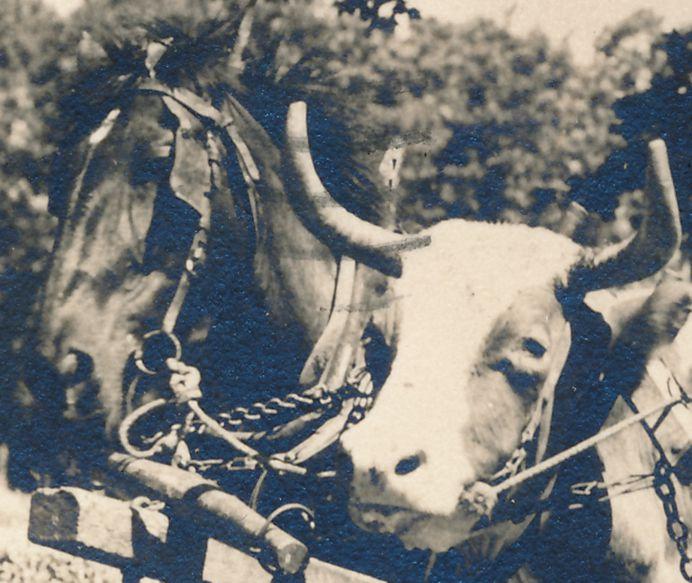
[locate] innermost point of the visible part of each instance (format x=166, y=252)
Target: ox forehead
x=479, y=322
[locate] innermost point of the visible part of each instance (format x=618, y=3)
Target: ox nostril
x=408, y=464
x=375, y=477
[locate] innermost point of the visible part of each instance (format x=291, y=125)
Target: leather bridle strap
x=209, y=115
x=196, y=255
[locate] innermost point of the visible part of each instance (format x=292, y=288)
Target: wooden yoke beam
x=137, y=540
x=203, y=501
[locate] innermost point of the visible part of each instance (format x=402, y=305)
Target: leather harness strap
x=215, y=120
x=207, y=114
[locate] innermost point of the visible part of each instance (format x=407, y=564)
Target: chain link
x=664, y=488
x=269, y=411
x=517, y=460
x=359, y=382
x=358, y=385
x=661, y=480
x=677, y=529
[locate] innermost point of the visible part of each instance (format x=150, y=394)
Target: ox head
x=482, y=337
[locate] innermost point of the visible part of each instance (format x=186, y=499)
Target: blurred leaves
x=498, y=127
x=28, y=57
x=655, y=102
x=382, y=14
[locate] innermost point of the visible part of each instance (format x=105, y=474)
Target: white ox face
x=479, y=332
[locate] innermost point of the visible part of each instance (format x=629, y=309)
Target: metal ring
x=139, y=352
x=304, y=511
x=130, y=420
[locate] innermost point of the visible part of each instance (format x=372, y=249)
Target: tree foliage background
x=497, y=127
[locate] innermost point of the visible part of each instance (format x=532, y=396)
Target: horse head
x=132, y=191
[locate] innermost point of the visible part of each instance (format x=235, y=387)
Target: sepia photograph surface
x=345, y=291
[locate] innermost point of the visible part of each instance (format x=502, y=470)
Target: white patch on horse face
x=447, y=415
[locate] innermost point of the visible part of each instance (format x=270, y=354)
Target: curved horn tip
x=662, y=198
x=297, y=119
x=331, y=222
x=660, y=167
x=658, y=149
x=655, y=243
x=298, y=107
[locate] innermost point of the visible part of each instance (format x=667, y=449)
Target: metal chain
x=233, y=424
x=360, y=382
x=517, y=460
x=664, y=487
x=358, y=385
x=677, y=529
x=267, y=411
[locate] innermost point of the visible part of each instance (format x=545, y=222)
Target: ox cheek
x=499, y=414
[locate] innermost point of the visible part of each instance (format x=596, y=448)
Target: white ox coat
x=450, y=298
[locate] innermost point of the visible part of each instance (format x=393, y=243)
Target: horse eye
x=534, y=347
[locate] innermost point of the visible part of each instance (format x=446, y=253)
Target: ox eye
x=534, y=347
x=521, y=381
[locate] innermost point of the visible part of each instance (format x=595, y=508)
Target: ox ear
x=657, y=240
x=341, y=230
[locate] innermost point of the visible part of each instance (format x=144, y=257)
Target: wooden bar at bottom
x=96, y=527
x=203, y=499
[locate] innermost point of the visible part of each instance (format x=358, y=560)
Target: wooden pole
x=142, y=542
x=204, y=500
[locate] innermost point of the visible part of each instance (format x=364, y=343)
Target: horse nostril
x=77, y=366
x=68, y=365
x=408, y=464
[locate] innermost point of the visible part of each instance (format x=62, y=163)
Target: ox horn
x=372, y=244
x=657, y=239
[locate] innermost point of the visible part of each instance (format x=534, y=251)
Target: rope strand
x=579, y=448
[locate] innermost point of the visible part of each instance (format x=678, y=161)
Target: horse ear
x=155, y=50
x=191, y=176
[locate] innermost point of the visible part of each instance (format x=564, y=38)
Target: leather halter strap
x=216, y=122
x=209, y=115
